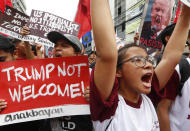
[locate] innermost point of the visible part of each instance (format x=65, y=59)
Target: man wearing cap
x=173, y=109
x=67, y=45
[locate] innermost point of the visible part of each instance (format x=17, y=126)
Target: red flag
x=9, y=3
x=83, y=17
x=177, y=12
x=2, y=5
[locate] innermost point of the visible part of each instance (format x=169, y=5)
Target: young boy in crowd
x=117, y=96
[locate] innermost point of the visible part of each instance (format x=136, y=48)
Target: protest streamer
x=154, y=23
x=12, y=22
x=187, y=2
x=43, y=88
x=41, y=23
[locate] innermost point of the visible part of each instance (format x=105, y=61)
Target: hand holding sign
x=25, y=31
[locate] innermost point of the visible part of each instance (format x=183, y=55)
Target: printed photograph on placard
x=158, y=16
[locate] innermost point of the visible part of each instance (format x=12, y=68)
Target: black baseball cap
x=5, y=43
x=54, y=36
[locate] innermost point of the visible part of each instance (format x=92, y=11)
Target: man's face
x=5, y=56
x=63, y=48
x=92, y=58
x=160, y=14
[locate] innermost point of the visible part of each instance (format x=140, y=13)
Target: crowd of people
x=129, y=89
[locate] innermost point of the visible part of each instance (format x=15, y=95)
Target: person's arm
x=38, y=51
x=104, y=37
x=28, y=50
x=174, y=48
x=163, y=114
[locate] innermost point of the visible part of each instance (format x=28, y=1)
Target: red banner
x=44, y=88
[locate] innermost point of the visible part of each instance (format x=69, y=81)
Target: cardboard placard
x=41, y=23
x=158, y=16
x=12, y=21
x=43, y=88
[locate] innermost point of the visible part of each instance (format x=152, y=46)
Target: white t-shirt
x=179, y=113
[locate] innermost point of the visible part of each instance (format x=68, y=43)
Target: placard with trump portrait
x=158, y=16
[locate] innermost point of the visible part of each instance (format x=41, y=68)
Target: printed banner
x=158, y=16
x=43, y=88
x=187, y=2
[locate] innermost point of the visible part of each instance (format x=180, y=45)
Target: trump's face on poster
x=161, y=14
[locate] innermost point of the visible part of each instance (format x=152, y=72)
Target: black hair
x=166, y=32
x=92, y=52
x=9, y=50
x=186, y=54
x=122, y=52
x=34, y=49
x=15, y=41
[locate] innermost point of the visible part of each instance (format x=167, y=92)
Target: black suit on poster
x=148, y=37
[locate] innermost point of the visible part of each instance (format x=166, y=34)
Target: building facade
x=19, y=5
x=127, y=17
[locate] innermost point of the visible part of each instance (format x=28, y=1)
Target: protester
x=136, y=38
x=67, y=45
x=119, y=103
x=173, y=103
x=6, y=54
x=6, y=49
x=92, y=59
x=23, y=50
